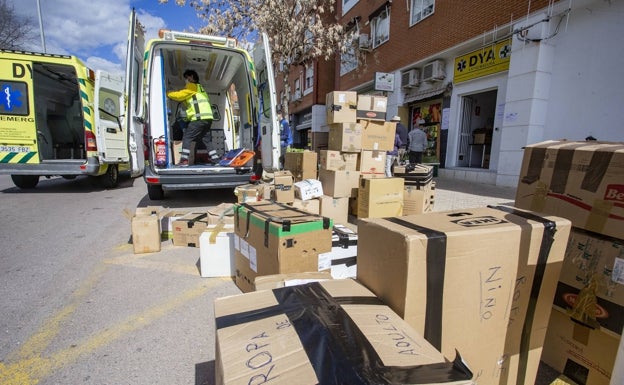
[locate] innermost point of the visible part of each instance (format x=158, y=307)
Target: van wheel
x=25, y=181
x=155, y=192
x=69, y=177
x=110, y=179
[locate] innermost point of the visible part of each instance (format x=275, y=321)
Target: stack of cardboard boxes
x=582, y=181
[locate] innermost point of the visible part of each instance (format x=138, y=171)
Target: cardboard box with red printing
x=480, y=280
x=328, y=332
x=372, y=107
x=581, y=181
x=333, y=160
x=188, y=228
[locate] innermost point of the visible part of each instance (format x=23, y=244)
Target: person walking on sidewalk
x=417, y=144
x=198, y=114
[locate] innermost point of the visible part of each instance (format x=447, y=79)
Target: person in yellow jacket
x=198, y=115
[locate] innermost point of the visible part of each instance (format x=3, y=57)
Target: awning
x=420, y=95
x=304, y=125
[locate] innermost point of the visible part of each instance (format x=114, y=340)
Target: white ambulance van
x=241, y=89
x=60, y=118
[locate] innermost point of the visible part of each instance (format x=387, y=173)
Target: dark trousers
x=195, y=131
x=415, y=157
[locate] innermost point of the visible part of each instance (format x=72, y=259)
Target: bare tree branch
x=15, y=31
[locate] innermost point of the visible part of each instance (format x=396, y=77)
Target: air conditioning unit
x=364, y=42
x=433, y=71
x=410, y=78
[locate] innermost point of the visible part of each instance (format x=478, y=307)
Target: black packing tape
x=336, y=348
x=348, y=261
x=550, y=228
x=436, y=266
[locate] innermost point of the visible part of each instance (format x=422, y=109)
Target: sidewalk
x=453, y=194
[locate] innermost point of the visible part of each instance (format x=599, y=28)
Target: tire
x=155, y=192
x=110, y=179
x=25, y=181
x=69, y=177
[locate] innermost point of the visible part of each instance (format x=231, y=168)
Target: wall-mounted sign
x=384, y=81
x=485, y=61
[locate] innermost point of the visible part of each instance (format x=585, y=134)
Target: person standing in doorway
x=401, y=130
x=417, y=144
x=199, y=117
x=286, y=139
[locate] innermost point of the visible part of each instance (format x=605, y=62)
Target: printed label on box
x=618, y=271
x=236, y=242
x=244, y=248
x=324, y=261
x=253, y=260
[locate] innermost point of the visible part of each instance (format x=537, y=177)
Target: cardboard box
x=221, y=213
x=308, y=189
x=345, y=137
x=372, y=107
x=380, y=197
x=617, y=376
x=311, y=206
x=372, y=163
x=480, y=281
x=146, y=233
x=584, y=355
x=339, y=184
x=275, y=238
x=341, y=261
x=318, y=140
x=275, y=281
x=166, y=222
x=329, y=332
x=334, y=208
x=333, y=160
x=593, y=272
x=187, y=229
x=581, y=181
x=248, y=193
x=216, y=251
x=283, y=190
x=418, y=200
x=341, y=106
x=303, y=165
x=378, y=135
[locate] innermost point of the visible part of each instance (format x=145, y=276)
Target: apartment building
x=485, y=78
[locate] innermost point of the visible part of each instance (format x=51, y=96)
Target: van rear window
x=13, y=98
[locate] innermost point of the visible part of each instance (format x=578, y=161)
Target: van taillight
x=90, y=141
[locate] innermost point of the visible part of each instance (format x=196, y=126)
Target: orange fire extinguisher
x=161, y=151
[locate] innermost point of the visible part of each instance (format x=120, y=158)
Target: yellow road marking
x=145, y=263
x=27, y=366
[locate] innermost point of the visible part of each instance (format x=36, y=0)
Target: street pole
x=43, y=46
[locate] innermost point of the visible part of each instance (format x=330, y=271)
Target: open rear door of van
x=112, y=140
x=134, y=95
x=269, y=128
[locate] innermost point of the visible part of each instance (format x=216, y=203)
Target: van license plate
x=4, y=148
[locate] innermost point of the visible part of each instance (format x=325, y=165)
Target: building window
x=420, y=9
x=381, y=28
x=348, y=60
x=347, y=5
x=309, y=79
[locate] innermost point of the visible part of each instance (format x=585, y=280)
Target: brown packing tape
x=580, y=333
x=214, y=232
x=598, y=215
x=539, y=197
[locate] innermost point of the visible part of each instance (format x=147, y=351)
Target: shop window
x=420, y=9
x=381, y=28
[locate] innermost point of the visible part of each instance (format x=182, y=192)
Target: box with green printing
x=275, y=238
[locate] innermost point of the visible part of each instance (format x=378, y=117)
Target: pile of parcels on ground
x=379, y=297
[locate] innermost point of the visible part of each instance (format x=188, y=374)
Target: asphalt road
x=79, y=307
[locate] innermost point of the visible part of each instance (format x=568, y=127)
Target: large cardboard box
x=332, y=160
x=166, y=222
x=311, y=206
x=146, y=233
x=335, y=208
x=341, y=261
x=345, y=137
x=617, y=376
x=378, y=135
x=418, y=200
x=216, y=251
x=275, y=238
x=188, y=228
x=372, y=164
x=283, y=189
x=341, y=106
x=339, y=184
x=581, y=181
x=318, y=140
x=481, y=281
x=380, y=197
x=303, y=165
x=328, y=332
x=372, y=107
x=583, y=354
x=275, y=281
